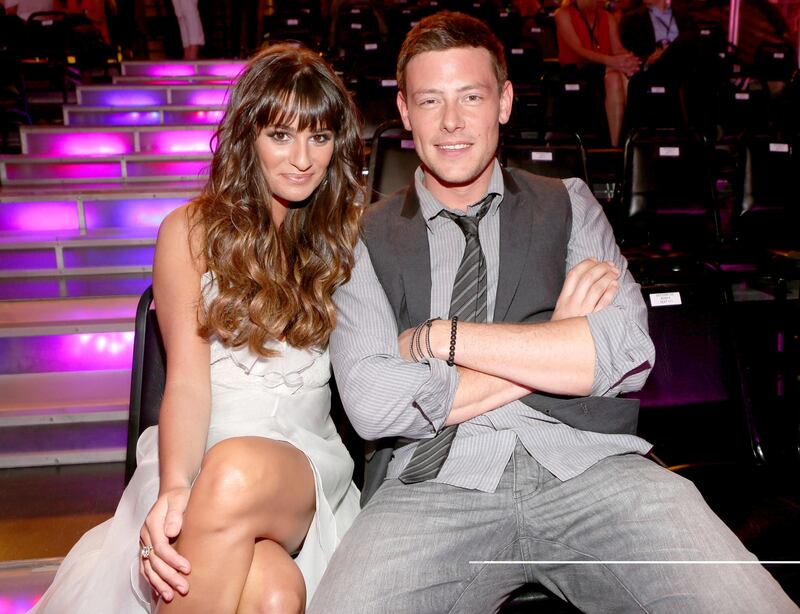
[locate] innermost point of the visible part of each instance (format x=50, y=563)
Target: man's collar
x=420, y=198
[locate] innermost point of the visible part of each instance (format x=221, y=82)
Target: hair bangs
x=312, y=102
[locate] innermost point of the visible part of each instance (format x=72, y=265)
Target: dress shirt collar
x=430, y=207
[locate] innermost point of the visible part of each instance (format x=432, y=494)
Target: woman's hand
x=626, y=63
x=164, y=568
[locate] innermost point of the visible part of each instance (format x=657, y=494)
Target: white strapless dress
x=285, y=398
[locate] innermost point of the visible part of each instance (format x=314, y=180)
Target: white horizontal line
x=634, y=562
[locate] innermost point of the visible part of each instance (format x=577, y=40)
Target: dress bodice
x=291, y=370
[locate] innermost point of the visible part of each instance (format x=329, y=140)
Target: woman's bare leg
x=274, y=584
x=615, y=83
x=248, y=488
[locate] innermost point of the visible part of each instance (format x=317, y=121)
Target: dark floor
x=44, y=510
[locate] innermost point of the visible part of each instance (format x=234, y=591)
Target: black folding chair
x=554, y=155
x=148, y=377
x=669, y=194
x=392, y=160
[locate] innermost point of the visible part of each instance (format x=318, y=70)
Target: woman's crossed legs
x=250, y=509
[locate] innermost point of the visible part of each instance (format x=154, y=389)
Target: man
x=664, y=40
x=651, y=29
x=518, y=483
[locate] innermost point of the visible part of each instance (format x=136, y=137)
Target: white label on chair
x=536, y=30
x=742, y=96
x=662, y=299
x=543, y=156
x=504, y=14
x=407, y=144
x=705, y=32
x=292, y=22
x=517, y=51
x=779, y=147
x=778, y=55
x=355, y=26
x=355, y=11
x=388, y=82
x=572, y=87
x=658, y=89
x=669, y=152
x=370, y=46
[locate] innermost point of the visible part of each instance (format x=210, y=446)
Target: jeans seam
x=480, y=571
x=589, y=556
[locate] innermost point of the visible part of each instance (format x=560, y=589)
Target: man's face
x=453, y=108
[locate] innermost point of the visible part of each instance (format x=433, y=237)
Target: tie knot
x=469, y=224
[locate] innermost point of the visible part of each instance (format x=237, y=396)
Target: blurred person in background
x=589, y=45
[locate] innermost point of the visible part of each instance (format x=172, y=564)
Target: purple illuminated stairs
x=79, y=212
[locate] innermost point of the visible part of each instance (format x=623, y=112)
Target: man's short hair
x=450, y=30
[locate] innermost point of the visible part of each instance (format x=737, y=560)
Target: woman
x=588, y=41
x=255, y=485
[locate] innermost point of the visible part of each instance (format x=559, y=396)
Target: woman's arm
x=185, y=408
x=183, y=421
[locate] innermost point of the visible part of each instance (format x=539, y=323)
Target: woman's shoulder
x=176, y=224
x=180, y=234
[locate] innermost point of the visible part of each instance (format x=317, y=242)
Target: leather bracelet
x=428, y=324
x=451, y=358
x=411, y=347
x=418, y=337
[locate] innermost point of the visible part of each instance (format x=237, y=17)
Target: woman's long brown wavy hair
x=277, y=282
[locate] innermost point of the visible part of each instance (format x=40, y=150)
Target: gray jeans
x=413, y=548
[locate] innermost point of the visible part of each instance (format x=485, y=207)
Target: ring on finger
x=145, y=552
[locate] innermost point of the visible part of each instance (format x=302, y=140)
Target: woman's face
x=294, y=163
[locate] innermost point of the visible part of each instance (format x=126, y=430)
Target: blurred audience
x=192, y=36
x=589, y=43
x=25, y=8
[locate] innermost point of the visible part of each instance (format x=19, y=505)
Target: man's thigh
x=410, y=548
x=628, y=509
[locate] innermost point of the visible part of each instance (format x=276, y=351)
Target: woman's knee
x=233, y=481
x=282, y=600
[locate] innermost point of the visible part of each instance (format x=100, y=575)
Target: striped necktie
x=468, y=302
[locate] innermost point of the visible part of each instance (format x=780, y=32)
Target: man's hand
x=589, y=286
x=165, y=569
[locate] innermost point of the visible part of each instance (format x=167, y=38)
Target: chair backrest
x=774, y=61
x=392, y=160
x=148, y=376
x=669, y=193
x=770, y=215
x=695, y=406
x=552, y=157
x=377, y=89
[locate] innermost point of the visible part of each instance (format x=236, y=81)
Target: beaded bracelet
x=451, y=358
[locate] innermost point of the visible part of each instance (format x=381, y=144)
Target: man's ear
x=403, y=108
x=506, y=101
